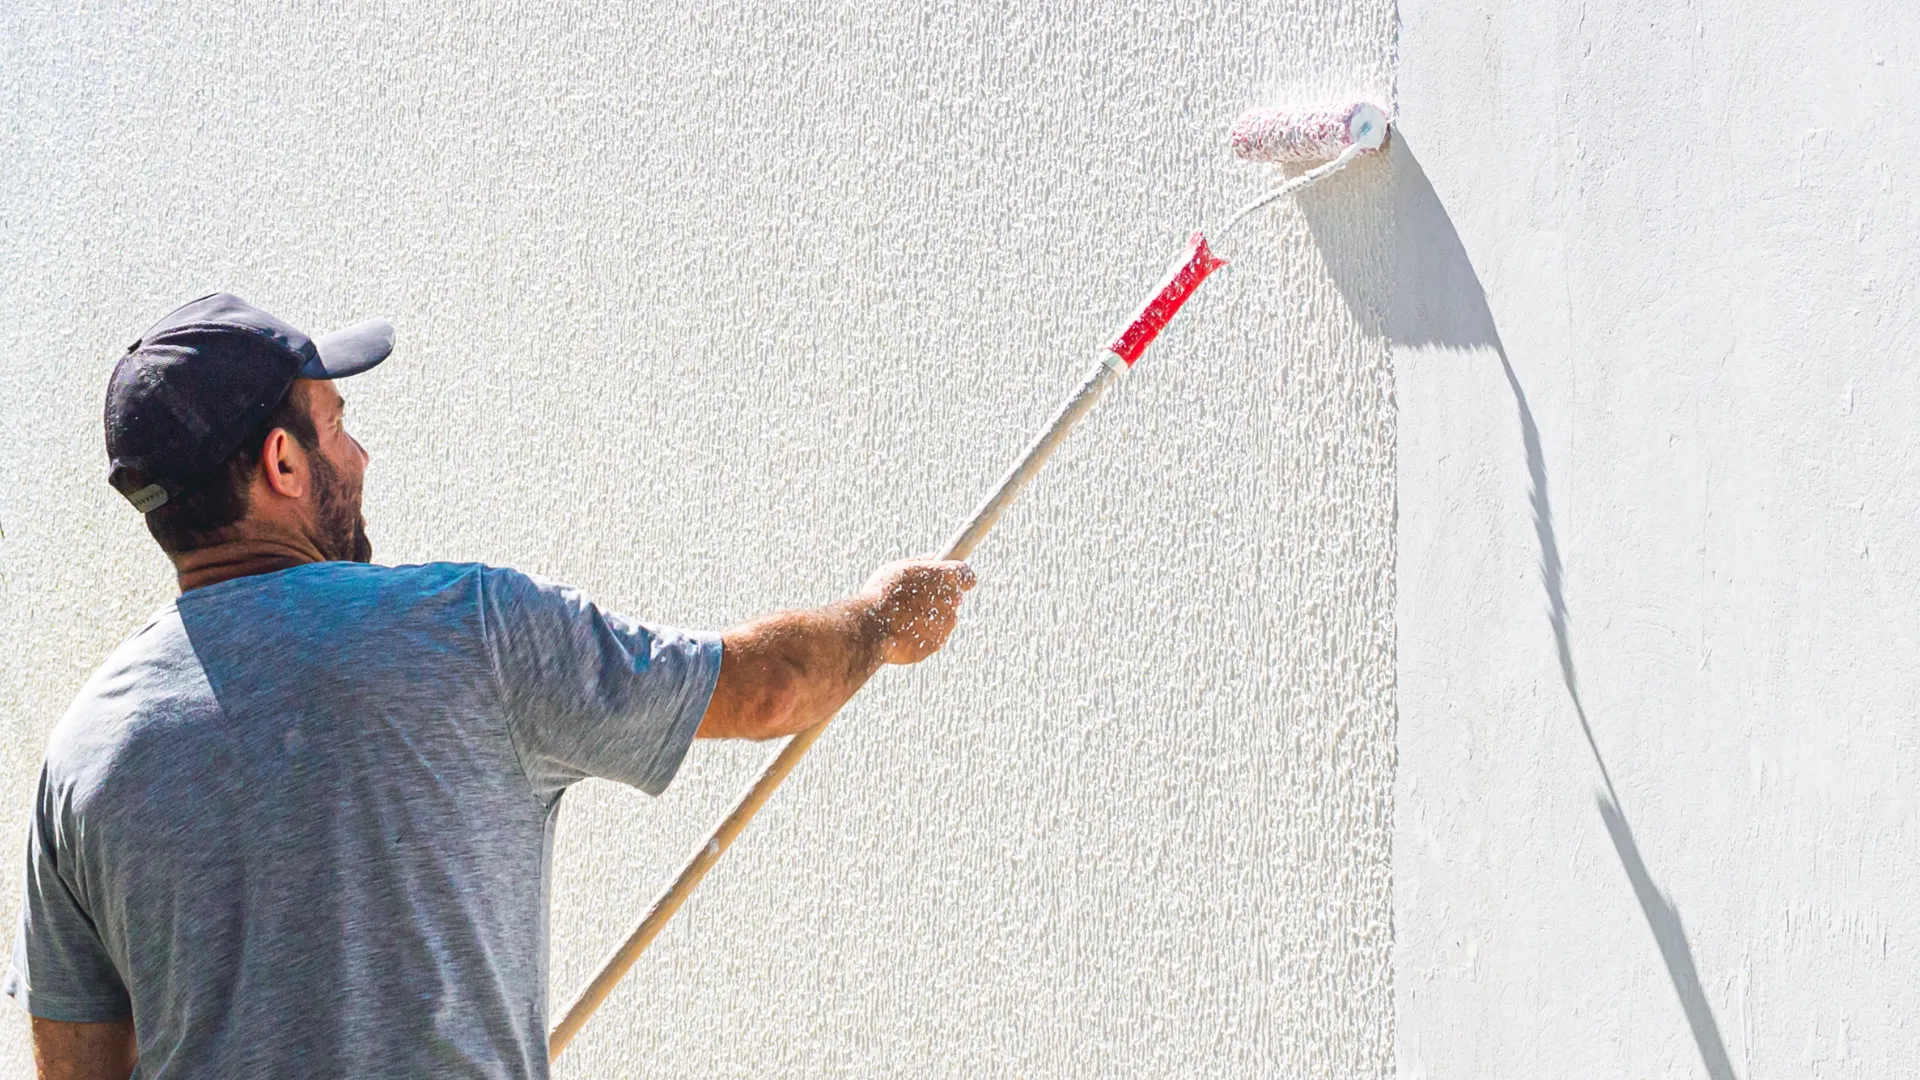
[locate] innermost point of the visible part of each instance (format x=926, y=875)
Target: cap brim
x=350, y=351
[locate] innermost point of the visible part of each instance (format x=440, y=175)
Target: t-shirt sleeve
x=590, y=693
x=61, y=969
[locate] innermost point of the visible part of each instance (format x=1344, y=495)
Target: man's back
x=301, y=822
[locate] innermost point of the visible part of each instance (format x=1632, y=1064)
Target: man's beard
x=341, y=532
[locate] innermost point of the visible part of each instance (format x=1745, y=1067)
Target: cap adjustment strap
x=149, y=498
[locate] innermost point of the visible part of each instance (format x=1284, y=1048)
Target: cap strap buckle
x=148, y=498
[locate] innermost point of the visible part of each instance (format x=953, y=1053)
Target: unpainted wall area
x=1658, y=485
x=711, y=308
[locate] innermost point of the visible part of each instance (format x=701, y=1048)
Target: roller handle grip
x=1159, y=309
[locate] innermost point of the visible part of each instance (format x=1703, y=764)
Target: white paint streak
x=708, y=308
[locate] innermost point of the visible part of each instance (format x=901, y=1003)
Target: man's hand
x=787, y=672
x=915, y=603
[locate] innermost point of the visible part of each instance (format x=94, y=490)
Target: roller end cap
x=1367, y=127
x=1308, y=135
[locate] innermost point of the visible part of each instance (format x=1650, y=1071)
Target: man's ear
x=283, y=464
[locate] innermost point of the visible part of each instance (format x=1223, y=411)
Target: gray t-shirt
x=301, y=823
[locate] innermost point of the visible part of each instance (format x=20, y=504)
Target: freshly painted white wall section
x=1659, y=510
x=710, y=308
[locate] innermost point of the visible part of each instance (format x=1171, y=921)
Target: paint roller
x=1325, y=137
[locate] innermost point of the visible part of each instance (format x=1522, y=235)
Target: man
x=300, y=824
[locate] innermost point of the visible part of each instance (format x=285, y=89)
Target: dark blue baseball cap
x=199, y=381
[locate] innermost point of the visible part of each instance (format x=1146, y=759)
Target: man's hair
x=200, y=516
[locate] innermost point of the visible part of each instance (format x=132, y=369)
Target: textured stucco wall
x=708, y=309
x=1683, y=516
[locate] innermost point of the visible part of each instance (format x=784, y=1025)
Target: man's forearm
x=788, y=671
x=68, y=1050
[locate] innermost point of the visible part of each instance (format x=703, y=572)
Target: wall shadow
x=1437, y=300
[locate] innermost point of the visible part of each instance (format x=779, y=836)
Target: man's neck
x=243, y=557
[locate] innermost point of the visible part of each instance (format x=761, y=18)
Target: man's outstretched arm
x=64, y=1050
x=791, y=670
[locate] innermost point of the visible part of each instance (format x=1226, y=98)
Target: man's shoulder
x=153, y=672
x=251, y=599
x=316, y=610
x=239, y=644
x=496, y=587
x=427, y=573
x=373, y=576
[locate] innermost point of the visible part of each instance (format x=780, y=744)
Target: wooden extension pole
x=1125, y=349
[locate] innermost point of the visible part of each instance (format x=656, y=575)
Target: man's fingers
x=952, y=573
x=964, y=574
